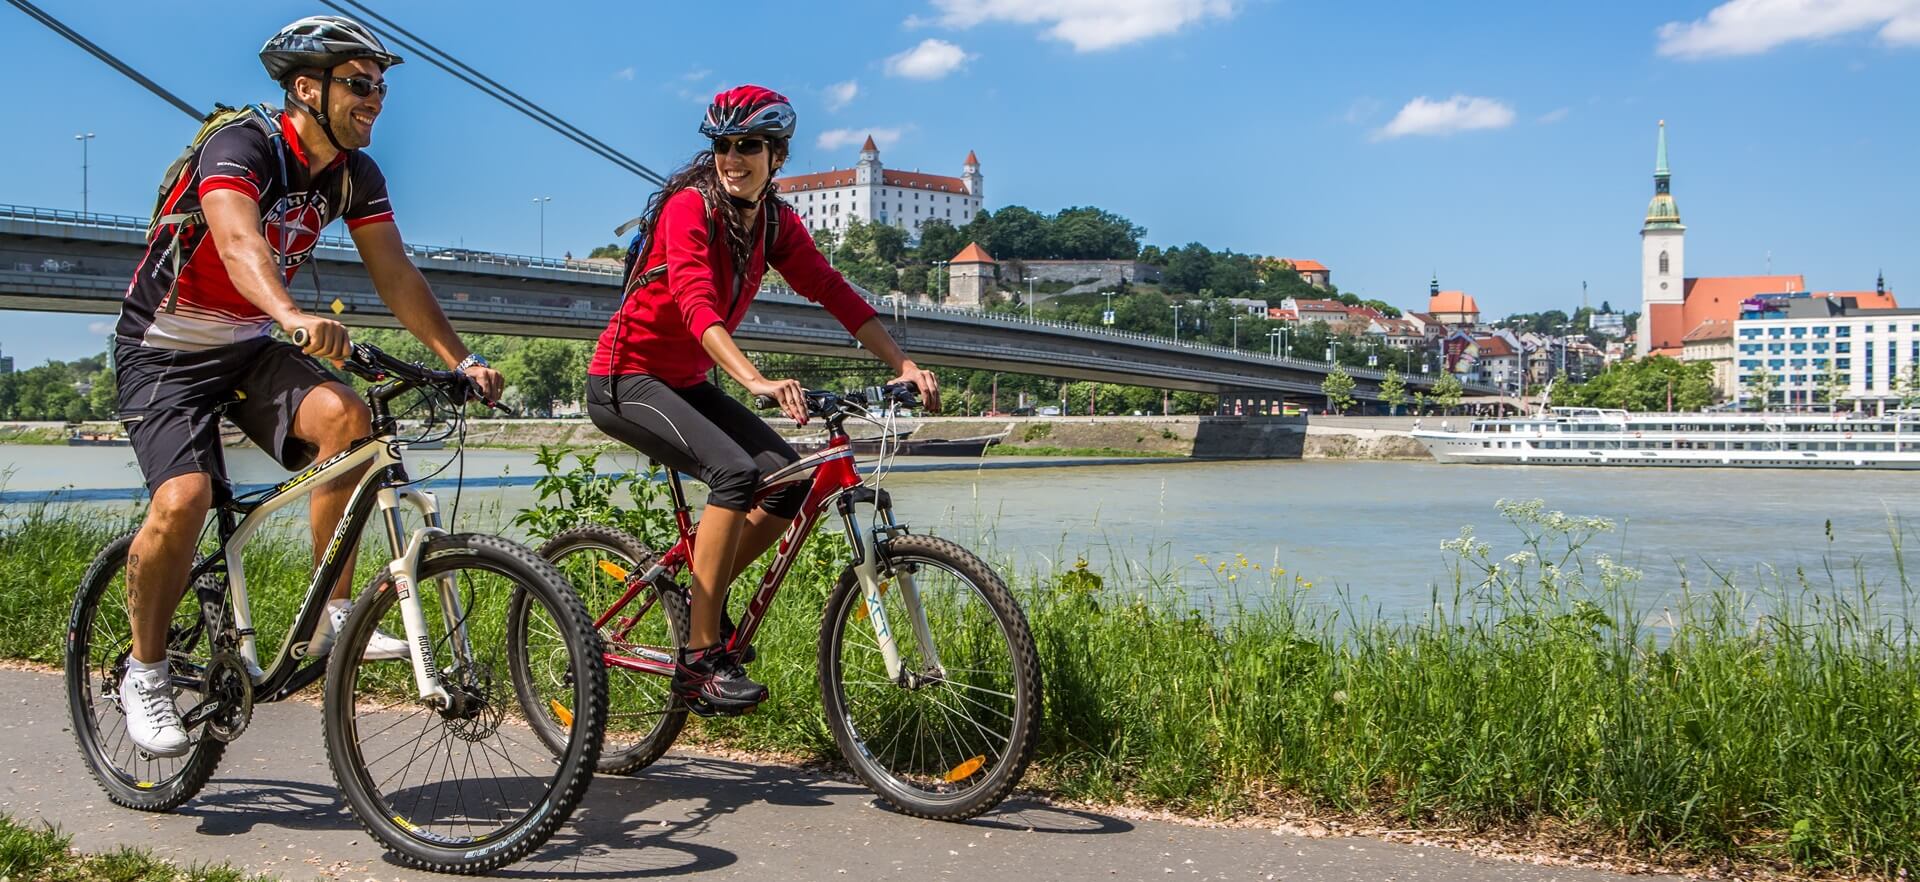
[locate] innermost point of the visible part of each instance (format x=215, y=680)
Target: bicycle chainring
x=229, y=686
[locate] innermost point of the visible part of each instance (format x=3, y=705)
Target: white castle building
x=830, y=200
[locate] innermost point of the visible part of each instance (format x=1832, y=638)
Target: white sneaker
x=152, y=721
x=380, y=647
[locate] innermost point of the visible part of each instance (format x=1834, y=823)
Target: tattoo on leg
x=133, y=578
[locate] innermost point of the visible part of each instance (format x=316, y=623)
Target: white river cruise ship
x=1602, y=437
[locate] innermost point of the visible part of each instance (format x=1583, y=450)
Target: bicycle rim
x=945, y=742
x=100, y=643
x=471, y=789
x=643, y=717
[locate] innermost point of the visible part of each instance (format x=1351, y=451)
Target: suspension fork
x=869, y=550
x=403, y=570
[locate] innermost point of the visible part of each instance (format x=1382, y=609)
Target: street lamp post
x=1030, y=280
x=1273, y=341
x=83, y=139
x=940, y=288
x=1176, y=323
x=1107, y=317
x=1236, y=331
x=542, y=201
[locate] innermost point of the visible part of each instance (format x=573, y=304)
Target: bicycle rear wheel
x=643, y=716
x=99, y=642
x=945, y=741
x=468, y=788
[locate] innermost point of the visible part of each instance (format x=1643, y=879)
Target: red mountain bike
x=927, y=670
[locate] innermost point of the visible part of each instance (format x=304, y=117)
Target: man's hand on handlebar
x=788, y=394
x=318, y=337
x=922, y=380
x=489, y=382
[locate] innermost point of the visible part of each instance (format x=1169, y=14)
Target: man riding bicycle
x=709, y=235
x=192, y=341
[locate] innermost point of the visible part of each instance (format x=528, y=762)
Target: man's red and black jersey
x=296, y=203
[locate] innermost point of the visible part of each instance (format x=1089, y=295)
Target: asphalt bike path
x=273, y=808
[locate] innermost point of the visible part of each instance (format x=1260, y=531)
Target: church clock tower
x=1662, y=249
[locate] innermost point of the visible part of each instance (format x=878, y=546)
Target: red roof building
x=871, y=193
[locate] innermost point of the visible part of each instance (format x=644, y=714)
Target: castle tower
x=970, y=173
x=1663, y=240
x=968, y=276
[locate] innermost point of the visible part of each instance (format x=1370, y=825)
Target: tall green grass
x=41, y=853
x=1775, y=722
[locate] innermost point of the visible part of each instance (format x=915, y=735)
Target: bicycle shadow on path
x=677, y=817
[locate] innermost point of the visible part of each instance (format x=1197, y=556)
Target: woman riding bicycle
x=709, y=235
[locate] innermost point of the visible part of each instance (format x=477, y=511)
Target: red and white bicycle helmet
x=749, y=110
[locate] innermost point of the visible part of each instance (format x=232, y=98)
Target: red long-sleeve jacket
x=657, y=331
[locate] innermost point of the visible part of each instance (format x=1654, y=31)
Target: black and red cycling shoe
x=713, y=684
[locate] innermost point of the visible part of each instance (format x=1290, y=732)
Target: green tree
x=940, y=240
x=1447, y=392
x=543, y=371
x=914, y=279
x=1338, y=387
x=1020, y=232
x=1907, y=386
x=1188, y=268
x=1393, y=389
x=1833, y=385
x=870, y=273
x=1644, y=384
x=614, y=250
x=101, y=398
x=1761, y=384
x=1088, y=233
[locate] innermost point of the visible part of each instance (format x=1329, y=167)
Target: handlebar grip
x=764, y=402
x=299, y=337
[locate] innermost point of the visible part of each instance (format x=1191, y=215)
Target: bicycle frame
x=384, y=485
x=834, y=480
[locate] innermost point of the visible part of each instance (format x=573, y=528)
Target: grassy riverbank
x=1775, y=723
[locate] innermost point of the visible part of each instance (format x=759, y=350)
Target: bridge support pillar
x=1250, y=403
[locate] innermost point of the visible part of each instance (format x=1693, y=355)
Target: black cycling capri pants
x=697, y=431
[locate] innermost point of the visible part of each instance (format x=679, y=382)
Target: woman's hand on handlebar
x=788, y=394
x=922, y=380
x=318, y=337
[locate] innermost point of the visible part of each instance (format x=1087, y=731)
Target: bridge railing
x=605, y=272
x=98, y=220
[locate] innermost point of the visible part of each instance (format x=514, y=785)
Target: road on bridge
x=272, y=808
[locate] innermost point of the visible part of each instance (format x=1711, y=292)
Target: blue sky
x=1507, y=146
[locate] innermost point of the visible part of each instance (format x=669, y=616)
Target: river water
x=1373, y=529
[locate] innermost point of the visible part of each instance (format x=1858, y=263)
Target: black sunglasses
x=361, y=86
x=746, y=146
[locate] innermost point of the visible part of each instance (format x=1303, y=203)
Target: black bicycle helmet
x=320, y=42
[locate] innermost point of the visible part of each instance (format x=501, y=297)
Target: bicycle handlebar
x=821, y=403
x=370, y=363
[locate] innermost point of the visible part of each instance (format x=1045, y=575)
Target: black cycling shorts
x=171, y=401
x=697, y=431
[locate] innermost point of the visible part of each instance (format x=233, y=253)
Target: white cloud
x=1460, y=113
x=1750, y=27
x=625, y=73
x=1088, y=25
x=1361, y=109
x=835, y=139
x=930, y=60
x=696, y=74
x=99, y=329
x=841, y=94
x=1555, y=115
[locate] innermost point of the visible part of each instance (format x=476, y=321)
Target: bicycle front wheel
x=468, y=787
x=951, y=734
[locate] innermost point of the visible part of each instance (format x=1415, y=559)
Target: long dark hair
x=699, y=174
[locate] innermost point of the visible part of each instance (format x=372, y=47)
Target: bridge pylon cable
x=72, y=35
x=487, y=85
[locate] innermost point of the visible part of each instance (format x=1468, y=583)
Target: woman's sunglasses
x=361, y=87
x=745, y=146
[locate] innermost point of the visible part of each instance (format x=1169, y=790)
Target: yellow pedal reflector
x=560, y=712
x=860, y=612
x=613, y=569
x=965, y=770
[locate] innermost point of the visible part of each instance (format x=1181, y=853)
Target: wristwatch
x=473, y=359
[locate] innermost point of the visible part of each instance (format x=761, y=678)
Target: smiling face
x=349, y=116
x=745, y=175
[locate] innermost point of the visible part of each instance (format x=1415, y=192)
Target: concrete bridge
x=71, y=262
